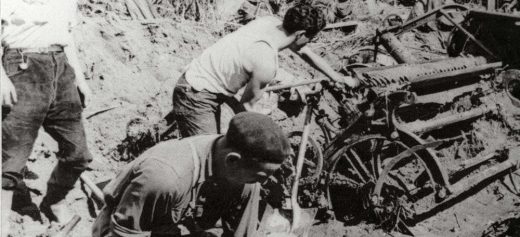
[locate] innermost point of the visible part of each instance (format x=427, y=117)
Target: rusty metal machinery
x=387, y=162
x=395, y=173
x=420, y=73
x=379, y=166
x=381, y=157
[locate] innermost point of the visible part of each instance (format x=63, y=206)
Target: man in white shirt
x=246, y=58
x=42, y=85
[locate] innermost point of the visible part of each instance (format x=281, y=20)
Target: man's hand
x=259, y=62
x=9, y=97
x=349, y=81
x=84, y=92
x=264, y=111
x=255, y=108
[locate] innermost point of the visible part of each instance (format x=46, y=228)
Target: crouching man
x=193, y=181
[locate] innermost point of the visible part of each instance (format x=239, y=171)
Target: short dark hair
x=304, y=17
x=257, y=136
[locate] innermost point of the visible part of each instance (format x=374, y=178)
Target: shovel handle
x=96, y=191
x=68, y=227
x=299, y=166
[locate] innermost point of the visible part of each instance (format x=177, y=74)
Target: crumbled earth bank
x=132, y=65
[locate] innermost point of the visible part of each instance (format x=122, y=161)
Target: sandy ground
x=132, y=67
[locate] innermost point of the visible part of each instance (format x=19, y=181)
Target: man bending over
x=245, y=58
x=193, y=181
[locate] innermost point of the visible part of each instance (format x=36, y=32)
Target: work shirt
x=166, y=186
x=220, y=68
x=37, y=23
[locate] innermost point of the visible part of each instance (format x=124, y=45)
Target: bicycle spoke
x=361, y=165
x=375, y=152
x=356, y=171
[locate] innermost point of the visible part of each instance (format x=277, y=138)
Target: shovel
x=294, y=222
x=301, y=218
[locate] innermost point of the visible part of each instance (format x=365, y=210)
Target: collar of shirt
x=206, y=158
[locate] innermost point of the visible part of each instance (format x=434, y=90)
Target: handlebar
x=302, y=83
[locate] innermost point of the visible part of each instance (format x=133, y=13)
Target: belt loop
x=23, y=65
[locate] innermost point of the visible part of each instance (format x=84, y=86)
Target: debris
x=93, y=114
x=457, y=220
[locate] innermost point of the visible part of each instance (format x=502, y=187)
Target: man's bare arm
x=321, y=65
x=260, y=62
x=9, y=97
x=72, y=55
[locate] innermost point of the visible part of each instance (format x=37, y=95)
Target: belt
x=52, y=48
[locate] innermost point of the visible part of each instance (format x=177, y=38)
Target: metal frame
x=427, y=17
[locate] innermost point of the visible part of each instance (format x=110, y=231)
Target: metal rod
x=395, y=48
x=513, y=182
x=476, y=161
x=446, y=96
x=423, y=19
x=460, y=187
x=376, y=161
x=302, y=83
x=360, y=163
x=341, y=25
x=434, y=124
x=355, y=169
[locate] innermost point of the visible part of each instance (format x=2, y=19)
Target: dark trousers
x=198, y=112
x=48, y=97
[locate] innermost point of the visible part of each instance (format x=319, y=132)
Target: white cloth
x=37, y=23
x=220, y=69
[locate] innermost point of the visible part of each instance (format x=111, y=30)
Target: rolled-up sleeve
x=146, y=203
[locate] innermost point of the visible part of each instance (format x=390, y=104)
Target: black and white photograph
x=260, y=118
